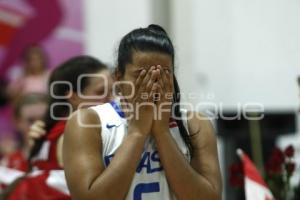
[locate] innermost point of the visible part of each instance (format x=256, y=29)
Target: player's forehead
x=147, y=59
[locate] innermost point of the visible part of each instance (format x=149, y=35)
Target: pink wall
x=56, y=24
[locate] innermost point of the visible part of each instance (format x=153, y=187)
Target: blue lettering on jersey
x=144, y=163
x=149, y=161
x=143, y=188
x=155, y=158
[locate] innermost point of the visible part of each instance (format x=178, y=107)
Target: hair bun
x=157, y=29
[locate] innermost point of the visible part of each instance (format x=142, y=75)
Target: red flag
x=255, y=186
x=42, y=185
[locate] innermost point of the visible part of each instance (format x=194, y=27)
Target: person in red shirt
x=66, y=95
x=29, y=108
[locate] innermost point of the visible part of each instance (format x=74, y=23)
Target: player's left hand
x=163, y=101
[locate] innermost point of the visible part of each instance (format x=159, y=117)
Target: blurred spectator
x=6, y=124
x=29, y=108
x=34, y=76
x=32, y=26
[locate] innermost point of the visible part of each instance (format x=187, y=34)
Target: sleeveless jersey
x=149, y=181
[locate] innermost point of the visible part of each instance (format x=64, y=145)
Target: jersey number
x=145, y=188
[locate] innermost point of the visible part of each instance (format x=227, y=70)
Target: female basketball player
x=65, y=87
x=134, y=154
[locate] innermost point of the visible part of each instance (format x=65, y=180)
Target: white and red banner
x=38, y=185
x=255, y=186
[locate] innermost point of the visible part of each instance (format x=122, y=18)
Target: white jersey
x=149, y=182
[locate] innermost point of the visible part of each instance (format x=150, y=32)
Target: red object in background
x=7, y=32
x=255, y=186
x=279, y=169
x=16, y=160
x=51, y=162
x=47, y=16
x=236, y=175
x=277, y=156
x=289, y=151
x=290, y=167
x=11, y=21
x=36, y=188
x=274, y=164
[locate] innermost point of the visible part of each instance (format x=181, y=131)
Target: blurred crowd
x=23, y=100
x=33, y=113
x=24, y=108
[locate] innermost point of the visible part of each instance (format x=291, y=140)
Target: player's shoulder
x=101, y=107
x=83, y=118
x=199, y=123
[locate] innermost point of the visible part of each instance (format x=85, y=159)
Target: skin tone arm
x=86, y=175
x=200, y=179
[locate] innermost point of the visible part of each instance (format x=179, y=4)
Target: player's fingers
x=154, y=78
x=164, y=77
x=147, y=78
x=154, y=93
x=169, y=84
x=159, y=89
x=163, y=73
x=139, y=80
x=160, y=80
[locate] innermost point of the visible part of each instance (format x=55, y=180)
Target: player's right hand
x=142, y=104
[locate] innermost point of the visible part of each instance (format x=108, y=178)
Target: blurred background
x=235, y=60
